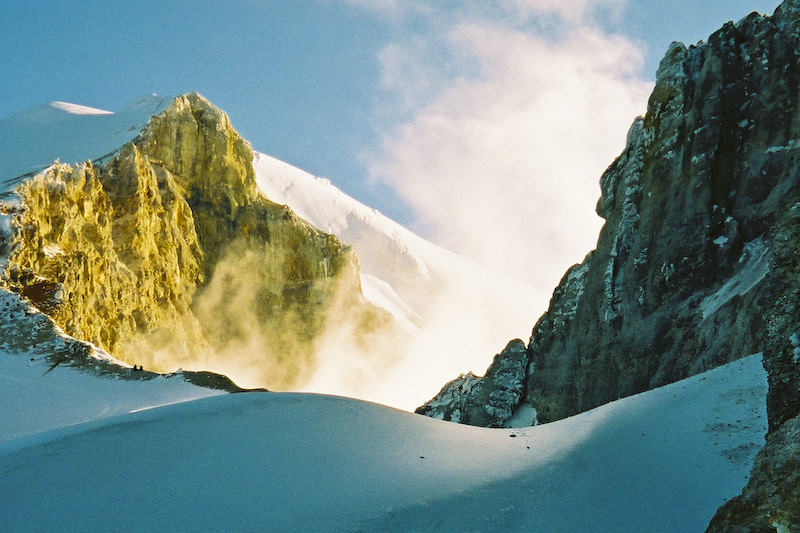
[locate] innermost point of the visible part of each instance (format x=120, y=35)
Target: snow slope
x=659, y=461
x=37, y=397
x=386, y=250
x=459, y=313
x=31, y=140
x=66, y=397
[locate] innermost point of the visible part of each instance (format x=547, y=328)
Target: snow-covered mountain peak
x=455, y=312
x=31, y=140
x=319, y=202
x=77, y=109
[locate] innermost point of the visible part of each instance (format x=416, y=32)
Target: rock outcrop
x=488, y=401
x=697, y=263
x=27, y=331
x=166, y=254
x=769, y=501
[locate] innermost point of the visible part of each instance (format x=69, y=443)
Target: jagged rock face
x=488, y=401
x=697, y=263
x=681, y=277
x=697, y=241
x=769, y=501
x=120, y=261
x=167, y=255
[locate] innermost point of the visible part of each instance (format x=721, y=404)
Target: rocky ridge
x=487, y=401
x=26, y=330
x=697, y=263
x=166, y=254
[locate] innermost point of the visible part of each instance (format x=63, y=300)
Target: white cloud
x=402, y=73
x=572, y=11
x=501, y=154
x=495, y=128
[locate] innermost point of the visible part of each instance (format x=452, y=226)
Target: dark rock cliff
x=488, y=401
x=698, y=262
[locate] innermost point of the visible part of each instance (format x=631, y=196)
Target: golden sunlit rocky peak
x=167, y=255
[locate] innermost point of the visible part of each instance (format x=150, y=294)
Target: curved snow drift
x=663, y=460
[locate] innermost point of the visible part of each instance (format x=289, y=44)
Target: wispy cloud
x=504, y=131
x=495, y=124
x=572, y=11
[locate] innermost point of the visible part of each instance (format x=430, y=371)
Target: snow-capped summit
x=31, y=140
x=77, y=109
x=453, y=313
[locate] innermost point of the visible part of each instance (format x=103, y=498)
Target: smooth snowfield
x=37, y=397
x=36, y=400
x=659, y=461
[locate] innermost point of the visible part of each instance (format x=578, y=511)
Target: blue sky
x=388, y=98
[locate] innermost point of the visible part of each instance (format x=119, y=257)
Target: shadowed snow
x=659, y=461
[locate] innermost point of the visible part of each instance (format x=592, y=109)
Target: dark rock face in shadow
x=697, y=263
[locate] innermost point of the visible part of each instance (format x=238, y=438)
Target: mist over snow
x=453, y=313
x=457, y=313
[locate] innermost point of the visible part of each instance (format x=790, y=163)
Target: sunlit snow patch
x=753, y=267
x=77, y=109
